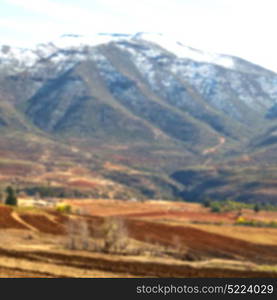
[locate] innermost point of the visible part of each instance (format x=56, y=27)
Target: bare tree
x=71, y=233
x=78, y=235
x=109, y=237
x=84, y=235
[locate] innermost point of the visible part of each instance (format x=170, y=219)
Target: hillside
x=155, y=239
x=138, y=114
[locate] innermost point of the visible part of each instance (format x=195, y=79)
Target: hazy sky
x=246, y=28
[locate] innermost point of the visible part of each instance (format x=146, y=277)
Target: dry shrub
x=109, y=237
x=114, y=234
x=78, y=235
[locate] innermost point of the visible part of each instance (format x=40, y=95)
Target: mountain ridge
x=77, y=41
x=143, y=89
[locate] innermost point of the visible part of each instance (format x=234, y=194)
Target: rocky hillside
x=168, y=106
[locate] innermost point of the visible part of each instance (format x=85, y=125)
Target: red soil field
x=43, y=224
x=124, y=208
x=191, y=243
x=82, y=184
x=7, y=221
x=191, y=216
x=17, y=169
x=200, y=242
x=59, y=218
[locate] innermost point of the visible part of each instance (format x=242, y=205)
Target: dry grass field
x=161, y=239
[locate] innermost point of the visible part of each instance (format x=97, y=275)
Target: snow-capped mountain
x=27, y=57
x=169, y=106
x=142, y=74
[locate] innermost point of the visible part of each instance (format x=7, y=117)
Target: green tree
x=207, y=202
x=216, y=207
x=257, y=207
x=11, y=198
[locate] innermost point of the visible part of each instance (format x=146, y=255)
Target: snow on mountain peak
x=164, y=41
x=75, y=40
x=20, y=57
x=28, y=57
x=183, y=51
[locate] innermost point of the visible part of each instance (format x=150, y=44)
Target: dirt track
x=221, y=142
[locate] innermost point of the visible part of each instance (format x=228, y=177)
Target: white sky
x=245, y=28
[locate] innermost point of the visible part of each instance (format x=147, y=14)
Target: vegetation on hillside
x=247, y=222
x=11, y=198
x=230, y=205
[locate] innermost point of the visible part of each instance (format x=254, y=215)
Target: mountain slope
x=170, y=107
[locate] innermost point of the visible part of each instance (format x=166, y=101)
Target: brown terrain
x=164, y=239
